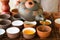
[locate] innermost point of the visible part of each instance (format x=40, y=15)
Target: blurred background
x=48, y=5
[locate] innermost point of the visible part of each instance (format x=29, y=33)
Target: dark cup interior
x=16, y=16
x=5, y=16
x=44, y=28
x=5, y=22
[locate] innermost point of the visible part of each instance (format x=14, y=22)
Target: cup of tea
x=18, y=23
x=2, y=32
x=13, y=32
x=30, y=24
x=28, y=33
x=45, y=22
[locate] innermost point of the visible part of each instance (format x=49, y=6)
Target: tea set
x=25, y=19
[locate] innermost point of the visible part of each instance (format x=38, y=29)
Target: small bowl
x=27, y=33
x=43, y=31
x=16, y=17
x=46, y=22
x=47, y=15
x=2, y=32
x=57, y=22
x=4, y=23
x=13, y=32
x=14, y=11
x=30, y=24
x=4, y=16
x=56, y=15
x=17, y=23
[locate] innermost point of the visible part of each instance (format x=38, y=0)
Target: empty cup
x=29, y=33
x=13, y=32
x=2, y=32
x=56, y=15
x=43, y=31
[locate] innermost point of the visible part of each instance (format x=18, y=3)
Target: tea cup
x=13, y=32
x=28, y=33
x=30, y=24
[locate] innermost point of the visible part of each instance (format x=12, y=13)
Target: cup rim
x=13, y=30
x=32, y=22
x=28, y=29
x=7, y=15
x=17, y=23
x=2, y=32
x=48, y=21
x=56, y=20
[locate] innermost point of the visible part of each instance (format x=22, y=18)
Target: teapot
x=30, y=10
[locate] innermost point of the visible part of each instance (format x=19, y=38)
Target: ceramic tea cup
x=28, y=33
x=57, y=22
x=2, y=32
x=4, y=16
x=56, y=15
x=15, y=14
x=18, y=23
x=4, y=23
x=14, y=11
x=46, y=22
x=47, y=14
x=16, y=17
x=13, y=32
x=43, y=31
x=30, y=24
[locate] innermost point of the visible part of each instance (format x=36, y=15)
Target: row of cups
x=14, y=32
x=28, y=31
x=4, y=23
